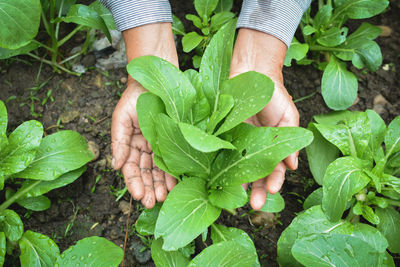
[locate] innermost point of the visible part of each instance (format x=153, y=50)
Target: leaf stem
x=69, y=36
x=54, y=64
x=43, y=45
x=17, y=195
x=333, y=49
x=304, y=97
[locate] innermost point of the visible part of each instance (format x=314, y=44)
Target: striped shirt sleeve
x=276, y=17
x=133, y=13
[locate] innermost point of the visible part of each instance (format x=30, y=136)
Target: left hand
x=261, y=52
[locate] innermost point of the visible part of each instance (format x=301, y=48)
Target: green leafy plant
x=194, y=122
x=31, y=166
x=18, y=36
x=352, y=219
x=328, y=45
x=212, y=15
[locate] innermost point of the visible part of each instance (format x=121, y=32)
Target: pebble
x=123, y=80
x=261, y=218
x=141, y=256
x=124, y=206
x=95, y=149
x=379, y=104
x=68, y=116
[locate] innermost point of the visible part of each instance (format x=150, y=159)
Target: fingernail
x=113, y=163
x=296, y=162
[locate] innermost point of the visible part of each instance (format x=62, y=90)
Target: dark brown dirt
x=85, y=208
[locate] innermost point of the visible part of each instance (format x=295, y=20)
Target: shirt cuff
x=275, y=17
x=130, y=14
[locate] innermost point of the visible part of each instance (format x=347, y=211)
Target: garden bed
x=85, y=104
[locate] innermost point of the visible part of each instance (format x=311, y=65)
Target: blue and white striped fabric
x=279, y=18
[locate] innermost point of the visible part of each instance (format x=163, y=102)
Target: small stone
x=379, y=104
x=68, y=116
x=94, y=148
x=386, y=31
x=98, y=82
x=386, y=67
x=88, y=60
x=261, y=218
x=124, y=206
x=114, y=233
x=141, y=253
x=123, y=80
x=109, y=161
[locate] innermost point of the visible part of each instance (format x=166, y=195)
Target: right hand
x=133, y=154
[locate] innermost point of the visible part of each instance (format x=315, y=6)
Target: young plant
x=18, y=35
x=194, y=122
x=31, y=166
x=352, y=219
x=328, y=45
x=212, y=15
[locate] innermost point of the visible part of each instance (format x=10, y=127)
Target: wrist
x=258, y=51
x=152, y=39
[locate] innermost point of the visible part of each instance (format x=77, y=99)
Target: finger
x=291, y=119
x=276, y=178
x=121, y=133
x=160, y=188
x=245, y=186
x=149, y=198
x=132, y=175
x=170, y=181
x=258, y=194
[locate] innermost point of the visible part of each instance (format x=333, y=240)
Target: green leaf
x=201, y=140
x=223, y=5
x=177, y=153
x=91, y=251
x=228, y=197
x=58, y=154
x=370, y=235
x=369, y=214
x=335, y=250
x=2, y=248
x=166, y=81
x=164, y=258
x=46, y=186
x=313, y=199
x=273, y=203
x=148, y=107
x=389, y=226
x=351, y=135
x=3, y=129
x=146, y=222
x=178, y=227
x=195, y=19
x=11, y=225
x=104, y=13
x=323, y=17
x=63, y=6
x=339, y=86
x=333, y=37
x=227, y=253
x=333, y=117
x=365, y=30
x=177, y=26
x=196, y=59
x=311, y=221
x=201, y=107
x=296, y=51
x=361, y=9
x=7, y=53
x=258, y=92
x=308, y=30
x=190, y=41
x=258, y=152
x=224, y=106
x=38, y=250
x=205, y=7
x=320, y=153
x=343, y=179
x=38, y=203
x=392, y=137
x=86, y=16
x=216, y=62
x=22, y=147
x=378, y=129
x=20, y=20
x=220, y=19
x=220, y=233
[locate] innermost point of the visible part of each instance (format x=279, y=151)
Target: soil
x=89, y=207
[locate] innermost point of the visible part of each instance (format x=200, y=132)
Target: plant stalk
x=54, y=64
x=69, y=35
x=333, y=49
x=17, y=195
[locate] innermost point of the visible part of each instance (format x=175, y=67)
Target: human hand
x=264, y=53
x=131, y=152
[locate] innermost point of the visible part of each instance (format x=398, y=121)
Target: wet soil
x=89, y=207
